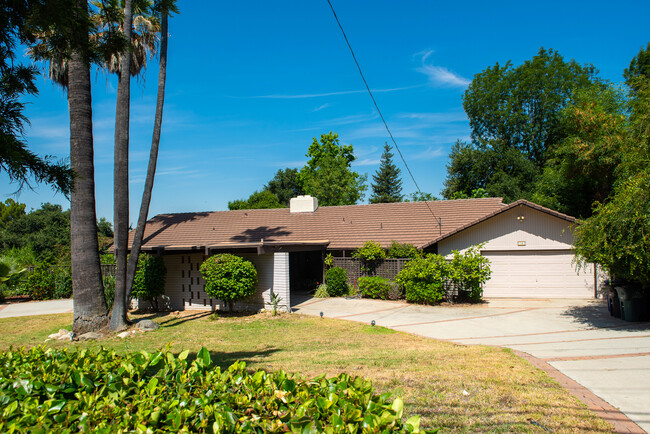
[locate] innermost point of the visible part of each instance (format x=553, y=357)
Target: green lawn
x=505, y=393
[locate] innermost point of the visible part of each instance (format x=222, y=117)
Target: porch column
x=281, y=280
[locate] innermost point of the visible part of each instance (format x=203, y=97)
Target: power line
x=381, y=115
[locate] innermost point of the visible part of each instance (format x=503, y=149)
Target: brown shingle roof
x=344, y=227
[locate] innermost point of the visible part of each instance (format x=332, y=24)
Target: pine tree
x=387, y=185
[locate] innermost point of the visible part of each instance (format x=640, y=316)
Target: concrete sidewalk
x=35, y=308
x=579, y=338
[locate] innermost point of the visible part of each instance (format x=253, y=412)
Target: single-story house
x=529, y=246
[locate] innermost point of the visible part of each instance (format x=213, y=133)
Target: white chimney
x=303, y=204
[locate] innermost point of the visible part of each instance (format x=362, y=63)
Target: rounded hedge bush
x=376, y=287
x=229, y=277
x=424, y=279
x=336, y=279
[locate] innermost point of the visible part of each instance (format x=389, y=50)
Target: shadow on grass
x=597, y=316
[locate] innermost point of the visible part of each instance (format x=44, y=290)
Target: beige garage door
x=537, y=274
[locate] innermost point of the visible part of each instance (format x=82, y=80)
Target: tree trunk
x=153, y=158
x=121, y=177
x=89, y=305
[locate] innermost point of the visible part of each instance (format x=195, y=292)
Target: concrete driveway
x=607, y=356
x=35, y=308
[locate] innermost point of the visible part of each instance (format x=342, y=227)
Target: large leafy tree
x=617, y=235
x=17, y=80
x=285, y=185
x=46, y=231
x=387, y=184
x=328, y=174
x=581, y=169
x=515, y=118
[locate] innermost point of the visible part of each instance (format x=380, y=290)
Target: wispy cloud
x=431, y=153
x=367, y=162
x=319, y=95
x=324, y=106
x=440, y=76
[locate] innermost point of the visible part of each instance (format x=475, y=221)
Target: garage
x=530, y=249
x=537, y=274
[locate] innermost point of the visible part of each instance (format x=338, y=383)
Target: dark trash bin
x=633, y=302
x=613, y=303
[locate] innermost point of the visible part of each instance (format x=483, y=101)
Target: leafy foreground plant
x=101, y=391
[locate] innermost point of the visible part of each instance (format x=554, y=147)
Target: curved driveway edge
x=578, y=338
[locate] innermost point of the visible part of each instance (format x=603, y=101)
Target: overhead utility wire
x=438, y=220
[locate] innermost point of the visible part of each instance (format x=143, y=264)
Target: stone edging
x=620, y=422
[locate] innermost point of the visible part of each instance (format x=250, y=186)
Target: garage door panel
x=537, y=274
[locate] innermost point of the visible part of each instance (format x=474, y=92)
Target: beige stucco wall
x=537, y=230
x=186, y=289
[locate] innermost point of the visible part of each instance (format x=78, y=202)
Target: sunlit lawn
x=503, y=392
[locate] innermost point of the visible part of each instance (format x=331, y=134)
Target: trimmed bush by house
x=424, y=279
x=99, y=390
x=468, y=272
x=399, y=251
x=229, y=278
x=371, y=255
x=378, y=287
x=149, y=279
x=336, y=279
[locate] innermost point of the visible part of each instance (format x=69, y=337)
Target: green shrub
x=41, y=282
x=109, y=289
x=62, y=282
x=377, y=287
x=399, y=251
x=468, y=272
x=336, y=279
x=12, y=275
x=99, y=390
x=424, y=279
x=149, y=279
x=321, y=291
x=229, y=277
x=371, y=255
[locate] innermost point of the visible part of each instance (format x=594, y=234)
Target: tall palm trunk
x=121, y=177
x=90, y=310
x=153, y=158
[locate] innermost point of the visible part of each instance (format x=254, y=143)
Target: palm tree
x=153, y=156
x=121, y=179
x=90, y=310
x=106, y=20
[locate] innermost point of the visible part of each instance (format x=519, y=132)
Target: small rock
x=65, y=337
x=147, y=325
x=54, y=336
x=124, y=334
x=90, y=336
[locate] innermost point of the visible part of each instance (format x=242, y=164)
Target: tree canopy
x=285, y=185
x=258, y=200
x=515, y=116
x=328, y=175
x=16, y=81
x=387, y=184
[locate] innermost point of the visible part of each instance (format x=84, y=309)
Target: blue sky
x=250, y=83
